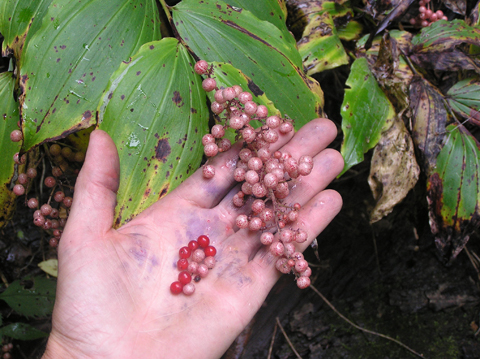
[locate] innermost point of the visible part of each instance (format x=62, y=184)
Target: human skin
x=113, y=297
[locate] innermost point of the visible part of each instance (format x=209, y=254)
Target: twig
x=272, y=341
x=473, y=260
x=288, y=339
x=363, y=329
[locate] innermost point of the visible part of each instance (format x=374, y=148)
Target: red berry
x=184, y=277
x=184, y=252
x=50, y=182
x=303, y=282
x=32, y=203
x=176, y=288
x=53, y=242
x=18, y=189
x=210, y=251
x=201, y=67
x=193, y=245
x=31, y=172
x=188, y=289
x=208, y=171
x=67, y=201
x=182, y=264
x=203, y=241
x=16, y=135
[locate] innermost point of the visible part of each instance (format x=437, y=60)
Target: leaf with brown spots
x=273, y=11
x=320, y=45
x=64, y=71
x=429, y=118
x=215, y=31
x=9, y=116
x=445, y=35
x=454, y=192
x=16, y=17
x=150, y=119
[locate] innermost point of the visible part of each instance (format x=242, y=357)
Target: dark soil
x=384, y=277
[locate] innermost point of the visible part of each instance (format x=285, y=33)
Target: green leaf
x=320, y=46
x=16, y=18
x=155, y=110
x=8, y=123
x=445, y=35
x=464, y=98
x=22, y=331
x=366, y=112
x=351, y=31
x=273, y=11
x=454, y=191
x=67, y=63
x=214, y=31
x=31, y=297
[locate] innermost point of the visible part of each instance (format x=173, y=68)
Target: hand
x=113, y=296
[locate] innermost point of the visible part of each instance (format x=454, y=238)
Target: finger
x=309, y=140
x=327, y=165
x=207, y=193
x=95, y=190
x=312, y=138
x=314, y=218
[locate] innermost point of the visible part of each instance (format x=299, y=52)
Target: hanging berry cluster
x=264, y=174
x=195, y=261
x=427, y=15
x=52, y=214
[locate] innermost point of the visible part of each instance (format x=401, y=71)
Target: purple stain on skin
x=139, y=254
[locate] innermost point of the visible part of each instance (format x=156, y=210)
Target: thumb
x=95, y=194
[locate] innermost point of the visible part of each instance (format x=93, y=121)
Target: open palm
x=113, y=296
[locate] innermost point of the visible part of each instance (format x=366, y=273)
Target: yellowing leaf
x=50, y=266
x=394, y=170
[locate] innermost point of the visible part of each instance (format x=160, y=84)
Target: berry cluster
x=195, y=261
x=51, y=215
x=264, y=174
x=426, y=15
x=6, y=349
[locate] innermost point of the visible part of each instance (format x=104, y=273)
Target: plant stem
x=166, y=8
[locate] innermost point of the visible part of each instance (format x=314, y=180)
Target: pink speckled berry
x=208, y=171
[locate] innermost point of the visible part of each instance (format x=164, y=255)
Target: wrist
x=55, y=350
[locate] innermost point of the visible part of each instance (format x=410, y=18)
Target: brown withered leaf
x=394, y=171
x=474, y=17
x=457, y=6
x=378, y=8
x=428, y=121
x=454, y=60
x=392, y=72
x=395, y=14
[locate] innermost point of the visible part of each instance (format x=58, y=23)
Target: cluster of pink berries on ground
x=51, y=215
x=264, y=174
x=195, y=261
x=426, y=15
